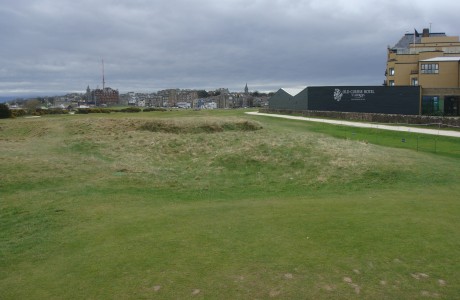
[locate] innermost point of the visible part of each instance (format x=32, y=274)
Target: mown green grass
x=449, y=146
x=94, y=207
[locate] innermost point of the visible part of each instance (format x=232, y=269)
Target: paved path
x=366, y=125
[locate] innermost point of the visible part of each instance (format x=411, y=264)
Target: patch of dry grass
x=164, y=153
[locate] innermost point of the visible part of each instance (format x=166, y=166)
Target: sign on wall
x=352, y=95
x=368, y=99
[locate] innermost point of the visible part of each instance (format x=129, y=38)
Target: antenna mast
x=103, y=75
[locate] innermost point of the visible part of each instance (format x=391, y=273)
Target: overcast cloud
x=56, y=46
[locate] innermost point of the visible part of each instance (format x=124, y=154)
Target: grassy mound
x=200, y=126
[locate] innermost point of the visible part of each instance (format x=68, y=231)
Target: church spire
x=246, y=90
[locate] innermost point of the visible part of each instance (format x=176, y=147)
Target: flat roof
x=443, y=58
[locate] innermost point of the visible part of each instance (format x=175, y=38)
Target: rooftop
x=443, y=58
x=409, y=38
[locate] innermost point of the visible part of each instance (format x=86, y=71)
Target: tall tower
x=103, y=75
x=246, y=90
x=88, y=94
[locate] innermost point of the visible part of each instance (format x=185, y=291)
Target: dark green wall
x=281, y=100
x=367, y=99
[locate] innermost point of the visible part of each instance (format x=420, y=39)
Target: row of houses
x=163, y=98
x=220, y=98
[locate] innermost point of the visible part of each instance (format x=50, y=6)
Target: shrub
x=39, y=112
x=58, y=111
x=154, y=109
x=131, y=110
x=100, y=110
x=18, y=113
x=50, y=111
x=5, y=111
x=83, y=111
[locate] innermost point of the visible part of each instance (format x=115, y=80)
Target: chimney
x=426, y=32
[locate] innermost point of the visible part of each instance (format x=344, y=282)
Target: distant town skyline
x=54, y=47
x=5, y=98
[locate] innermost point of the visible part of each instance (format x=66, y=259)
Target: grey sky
x=56, y=46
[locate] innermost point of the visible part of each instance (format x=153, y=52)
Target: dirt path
x=366, y=125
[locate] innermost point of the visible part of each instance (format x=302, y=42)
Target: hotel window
x=414, y=82
x=430, y=68
x=391, y=71
x=391, y=83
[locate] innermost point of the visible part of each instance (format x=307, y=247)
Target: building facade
x=106, y=97
x=102, y=97
x=431, y=61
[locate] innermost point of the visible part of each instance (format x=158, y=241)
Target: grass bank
x=103, y=207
